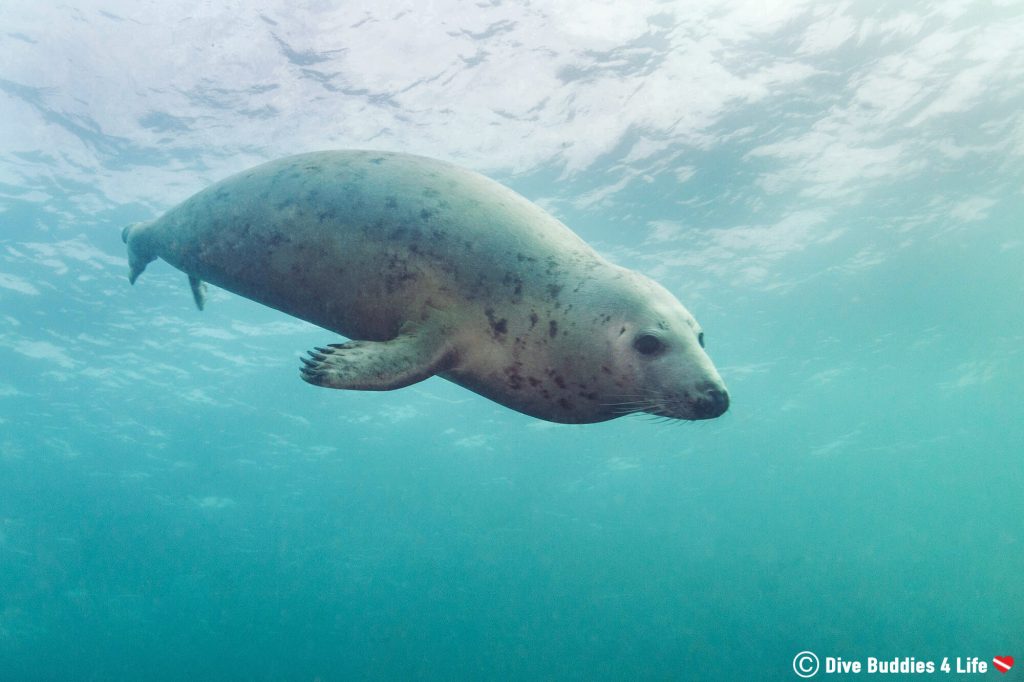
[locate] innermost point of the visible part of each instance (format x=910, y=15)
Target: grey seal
x=432, y=269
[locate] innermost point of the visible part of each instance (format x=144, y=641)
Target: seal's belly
x=321, y=277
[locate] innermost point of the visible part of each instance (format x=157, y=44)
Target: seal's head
x=658, y=353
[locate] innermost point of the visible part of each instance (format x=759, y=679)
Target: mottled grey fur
x=433, y=269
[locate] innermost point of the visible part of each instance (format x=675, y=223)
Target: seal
x=431, y=269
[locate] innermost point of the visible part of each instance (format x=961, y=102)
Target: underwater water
x=833, y=189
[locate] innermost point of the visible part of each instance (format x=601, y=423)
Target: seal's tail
x=139, y=252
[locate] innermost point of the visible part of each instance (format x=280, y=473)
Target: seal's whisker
x=628, y=411
x=638, y=400
x=640, y=391
x=631, y=407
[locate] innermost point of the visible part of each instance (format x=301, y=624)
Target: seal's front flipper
x=410, y=357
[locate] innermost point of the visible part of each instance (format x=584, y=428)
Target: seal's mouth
x=708, y=402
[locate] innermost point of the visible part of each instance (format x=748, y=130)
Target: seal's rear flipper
x=410, y=357
x=139, y=255
x=198, y=291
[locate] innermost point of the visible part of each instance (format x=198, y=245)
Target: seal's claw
x=310, y=377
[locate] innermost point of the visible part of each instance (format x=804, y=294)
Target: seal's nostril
x=713, y=404
x=720, y=397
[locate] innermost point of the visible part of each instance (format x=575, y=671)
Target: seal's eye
x=647, y=344
x=700, y=339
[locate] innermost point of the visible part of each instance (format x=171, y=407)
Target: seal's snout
x=713, y=402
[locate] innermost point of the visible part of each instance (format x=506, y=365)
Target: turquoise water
x=833, y=190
